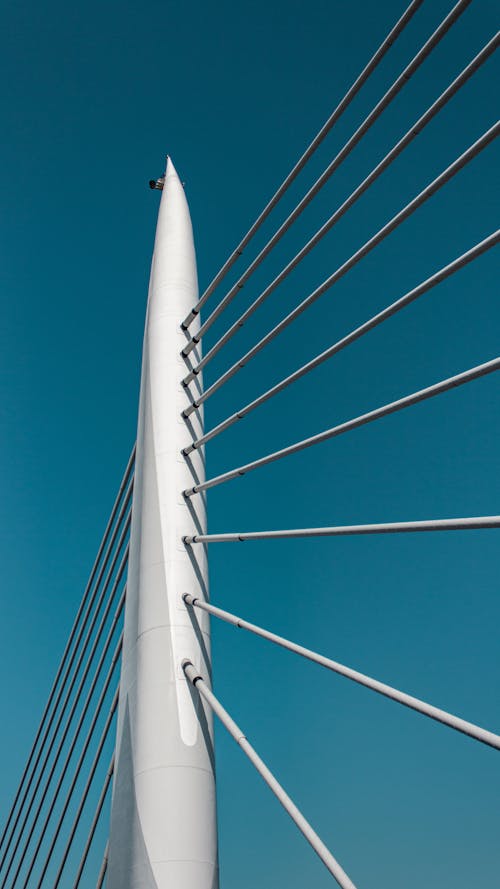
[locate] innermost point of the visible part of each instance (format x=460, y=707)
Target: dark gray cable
x=83, y=800
x=104, y=866
x=95, y=821
x=76, y=734
x=71, y=637
x=69, y=691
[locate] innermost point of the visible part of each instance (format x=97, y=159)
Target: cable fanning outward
x=318, y=139
x=386, y=409
x=434, y=186
x=411, y=134
x=474, y=523
x=393, y=91
x=351, y=337
x=311, y=836
x=455, y=722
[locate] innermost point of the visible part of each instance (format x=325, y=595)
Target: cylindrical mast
x=163, y=817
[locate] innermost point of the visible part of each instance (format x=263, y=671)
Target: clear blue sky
x=95, y=94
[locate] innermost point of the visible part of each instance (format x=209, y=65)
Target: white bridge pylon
x=163, y=811
x=163, y=817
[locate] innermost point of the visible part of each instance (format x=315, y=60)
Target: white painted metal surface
x=163, y=818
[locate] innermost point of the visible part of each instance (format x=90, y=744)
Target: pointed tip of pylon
x=170, y=169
